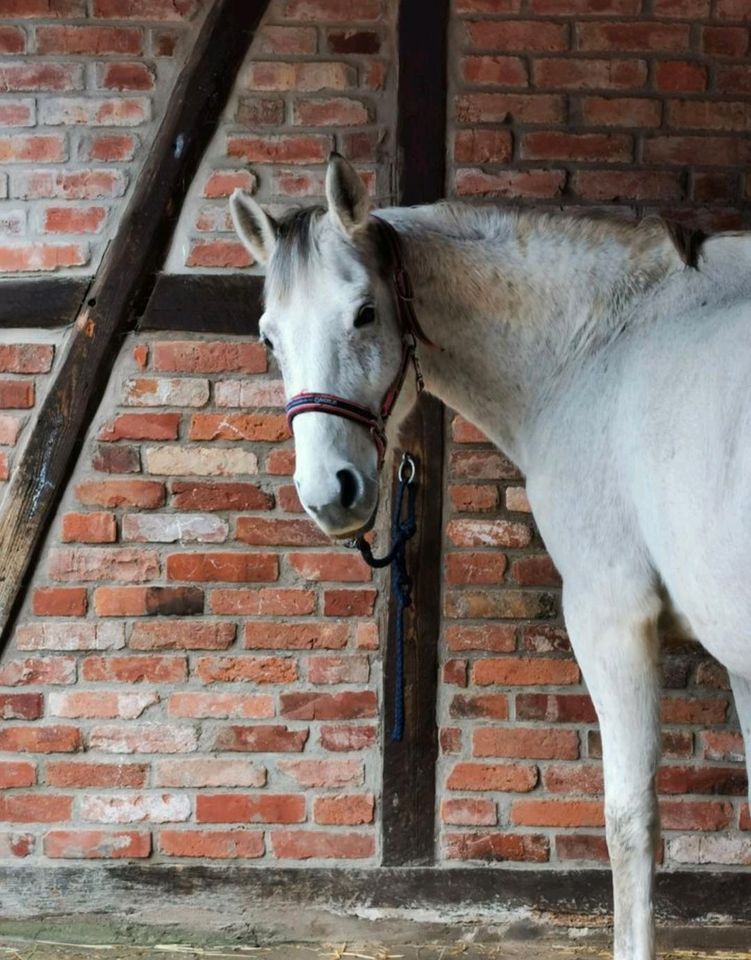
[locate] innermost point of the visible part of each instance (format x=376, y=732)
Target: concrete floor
x=564, y=950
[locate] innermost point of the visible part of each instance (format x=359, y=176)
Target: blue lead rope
x=401, y=583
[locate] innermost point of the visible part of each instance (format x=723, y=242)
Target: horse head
x=332, y=319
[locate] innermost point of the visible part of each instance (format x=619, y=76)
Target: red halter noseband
x=411, y=331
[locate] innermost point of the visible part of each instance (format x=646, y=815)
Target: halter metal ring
x=409, y=464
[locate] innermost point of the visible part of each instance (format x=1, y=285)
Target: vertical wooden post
x=409, y=766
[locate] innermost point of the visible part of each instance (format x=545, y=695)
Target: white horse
x=612, y=366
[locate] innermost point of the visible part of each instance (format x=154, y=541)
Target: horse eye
x=267, y=343
x=365, y=315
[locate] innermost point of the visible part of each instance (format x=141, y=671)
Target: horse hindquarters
x=618, y=654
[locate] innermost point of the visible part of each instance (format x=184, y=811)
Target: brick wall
x=195, y=671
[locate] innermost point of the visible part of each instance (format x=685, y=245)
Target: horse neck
x=515, y=304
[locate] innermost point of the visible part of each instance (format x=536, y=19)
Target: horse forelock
x=297, y=246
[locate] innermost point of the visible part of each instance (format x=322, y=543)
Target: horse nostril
x=348, y=488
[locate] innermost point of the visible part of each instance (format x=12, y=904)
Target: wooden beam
x=205, y=303
x=409, y=766
x=41, y=303
x=121, y=288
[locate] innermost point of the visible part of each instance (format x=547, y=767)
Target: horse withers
x=611, y=366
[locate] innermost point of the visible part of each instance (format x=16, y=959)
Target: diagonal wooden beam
x=121, y=288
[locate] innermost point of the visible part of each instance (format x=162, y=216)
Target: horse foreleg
x=619, y=660
x=742, y=693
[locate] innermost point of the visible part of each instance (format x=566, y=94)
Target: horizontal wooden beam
x=41, y=303
x=198, y=303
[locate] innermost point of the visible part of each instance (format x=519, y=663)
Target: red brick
x=144, y=9
x=295, y=636
x=218, y=253
x=146, y=494
x=623, y=37
x=196, y=495
x=558, y=813
x=730, y=781
x=223, y=567
x=732, y=10
x=526, y=743
x=626, y=185
x=494, y=71
x=135, y=669
x=497, y=847
x=59, y=602
x=495, y=638
x=16, y=393
x=474, y=498
x=692, y=9
x=96, y=844
x=141, y=426
x=209, y=773
x=102, y=704
x=306, y=844
x=74, y=774
x=695, y=815
x=89, y=528
x=260, y=112
x=510, y=778
x=574, y=778
x=263, y=427
x=285, y=41
x=557, y=145
x=694, y=710
x=26, y=358
x=35, y=808
x=72, y=185
x=569, y=74
x=155, y=738
x=522, y=35
x=344, y=810
x=332, y=10
x=260, y=739
x=450, y=740
x=208, y=356
x=16, y=773
x=54, y=739
x=513, y=671
x=247, y=808
x=73, y=219
x=212, y=844
x=499, y=604
x=474, y=568
x=344, y=567
x=147, y=601
x=299, y=76
x=473, y=108
x=332, y=112
x=555, y=708
x=348, y=669
x=110, y=147
x=581, y=847
x=490, y=706
x=89, y=40
x=488, y=533
x=97, y=563
x=349, y=603
x=182, y=635
x=300, y=148
x=119, y=459
x=535, y=571
x=680, y=76
x=231, y=706
x=724, y=41
x=14, y=844
x=125, y=76
x=21, y=113
x=281, y=463
x=10, y=427
x=276, y=532
x=264, y=602
x=36, y=76
x=12, y=40
x=246, y=669
x=344, y=738
x=722, y=745
x=329, y=706
x=454, y=673
x=469, y=812
x=46, y=670
x=21, y=706
x=323, y=773
x=589, y=8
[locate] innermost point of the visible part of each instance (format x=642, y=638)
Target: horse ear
x=256, y=228
x=349, y=203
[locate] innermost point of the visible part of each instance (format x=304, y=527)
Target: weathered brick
x=135, y=808
x=148, y=601
x=474, y=568
x=155, y=738
x=246, y=669
x=342, y=567
x=26, y=358
x=343, y=738
x=209, y=773
x=329, y=706
x=164, y=392
x=145, y=494
x=223, y=567
x=136, y=669
x=494, y=638
x=295, y=636
x=344, y=810
x=512, y=778
x=526, y=743
x=262, y=531
x=17, y=773
x=348, y=669
x=197, y=495
x=260, y=739
x=97, y=563
x=170, y=528
x=65, y=635
x=182, y=635
x=53, y=739
x=264, y=602
x=212, y=844
x=250, y=808
x=89, y=528
x=45, y=670
x=226, y=706
x=497, y=847
x=307, y=844
x=75, y=773
x=59, y=602
x=96, y=844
